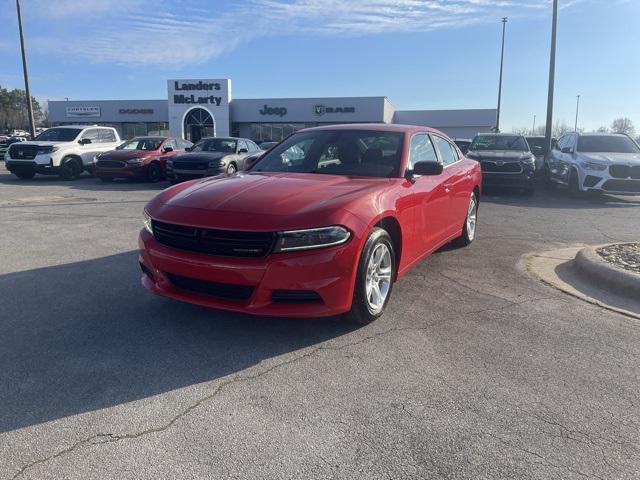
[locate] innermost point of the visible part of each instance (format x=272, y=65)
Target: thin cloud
x=157, y=32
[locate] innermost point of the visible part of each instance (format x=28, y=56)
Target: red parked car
x=323, y=224
x=139, y=158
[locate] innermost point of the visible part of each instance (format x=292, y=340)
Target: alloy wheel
x=378, y=277
x=472, y=216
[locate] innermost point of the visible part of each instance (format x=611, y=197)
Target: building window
x=141, y=129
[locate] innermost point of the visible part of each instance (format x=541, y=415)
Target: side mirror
x=567, y=150
x=85, y=141
x=252, y=160
x=167, y=149
x=427, y=168
x=243, y=150
x=188, y=149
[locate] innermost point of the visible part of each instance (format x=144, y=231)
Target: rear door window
x=448, y=153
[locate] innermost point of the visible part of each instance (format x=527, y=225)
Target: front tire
x=154, y=173
x=70, y=169
x=470, y=223
x=231, y=169
x=374, y=279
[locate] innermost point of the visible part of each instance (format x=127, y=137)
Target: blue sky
x=422, y=54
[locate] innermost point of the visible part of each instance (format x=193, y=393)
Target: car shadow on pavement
x=558, y=198
x=83, y=336
x=84, y=182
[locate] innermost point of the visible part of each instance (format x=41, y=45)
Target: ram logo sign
x=320, y=110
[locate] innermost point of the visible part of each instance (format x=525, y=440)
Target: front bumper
x=329, y=272
x=180, y=174
x=603, y=181
x=38, y=165
x=523, y=179
x=125, y=172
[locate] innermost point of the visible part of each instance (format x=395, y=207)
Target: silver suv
x=595, y=162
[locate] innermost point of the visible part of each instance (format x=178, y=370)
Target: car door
x=458, y=186
x=91, y=145
x=433, y=196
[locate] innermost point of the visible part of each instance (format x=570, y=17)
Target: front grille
x=226, y=243
x=110, y=164
x=228, y=291
x=23, y=152
x=507, y=167
x=190, y=165
x=628, y=186
x=295, y=296
x=620, y=171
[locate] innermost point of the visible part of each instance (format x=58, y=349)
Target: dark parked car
x=506, y=160
x=540, y=150
x=211, y=156
x=268, y=145
x=463, y=144
x=140, y=157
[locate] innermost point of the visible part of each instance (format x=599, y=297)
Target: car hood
x=38, y=144
x=269, y=194
x=199, y=156
x=498, y=154
x=626, y=158
x=127, y=154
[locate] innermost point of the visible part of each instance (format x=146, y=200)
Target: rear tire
x=374, y=279
x=470, y=223
x=70, y=169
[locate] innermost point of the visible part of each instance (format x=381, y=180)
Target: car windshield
x=609, y=144
x=145, y=144
x=59, y=135
x=499, y=142
x=225, y=145
x=338, y=152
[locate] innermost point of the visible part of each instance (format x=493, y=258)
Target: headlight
x=593, y=166
x=529, y=161
x=311, y=238
x=135, y=161
x=146, y=221
x=216, y=163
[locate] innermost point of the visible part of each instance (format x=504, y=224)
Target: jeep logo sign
x=267, y=110
x=320, y=110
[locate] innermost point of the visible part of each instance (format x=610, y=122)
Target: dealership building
x=197, y=108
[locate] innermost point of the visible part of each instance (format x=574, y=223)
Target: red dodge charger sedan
x=322, y=224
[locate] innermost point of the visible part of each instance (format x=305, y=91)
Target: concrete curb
x=616, y=280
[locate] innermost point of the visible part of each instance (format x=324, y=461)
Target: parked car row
x=67, y=151
x=593, y=162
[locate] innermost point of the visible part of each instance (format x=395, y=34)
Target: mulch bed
x=625, y=255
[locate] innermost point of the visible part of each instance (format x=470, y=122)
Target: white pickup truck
x=66, y=151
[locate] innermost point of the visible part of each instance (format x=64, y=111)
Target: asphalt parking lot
x=475, y=371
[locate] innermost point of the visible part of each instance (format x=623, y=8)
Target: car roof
x=82, y=126
x=601, y=134
x=225, y=138
x=501, y=134
x=376, y=127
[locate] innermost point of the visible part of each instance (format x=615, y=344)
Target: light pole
x=504, y=28
x=533, y=130
x=552, y=76
x=575, y=129
x=32, y=127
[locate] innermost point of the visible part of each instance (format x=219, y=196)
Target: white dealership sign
x=83, y=112
x=211, y=96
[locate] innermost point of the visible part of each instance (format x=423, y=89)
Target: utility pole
x=504, y=28
x=533, y=130
x=552, y=77
x=32, y=127
x=575, y=129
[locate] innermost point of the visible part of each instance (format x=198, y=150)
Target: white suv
x=64, y=151
x=595, y=161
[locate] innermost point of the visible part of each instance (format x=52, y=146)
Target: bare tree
x=623, y=125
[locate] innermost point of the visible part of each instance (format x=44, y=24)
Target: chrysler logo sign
x=267, y=110
x=320, y=110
